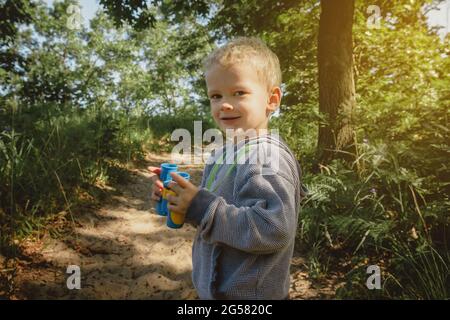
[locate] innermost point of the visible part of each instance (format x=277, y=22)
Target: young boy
x=246, y=214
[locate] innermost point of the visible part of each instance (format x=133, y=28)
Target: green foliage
x=12, y=13
x=381, y=211
x=139, y=13
x=77, y=105
x=43, y=165
x=414, y=271
x=83, y=104
x=423, y=270
x=399, y=183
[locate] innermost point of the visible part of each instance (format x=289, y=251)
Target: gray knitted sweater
x=246, y=225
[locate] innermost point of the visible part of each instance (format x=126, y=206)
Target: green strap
x=212, y=175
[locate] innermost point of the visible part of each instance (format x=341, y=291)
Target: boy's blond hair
x=248, y=50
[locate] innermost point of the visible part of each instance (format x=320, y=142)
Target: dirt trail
x=125, y=251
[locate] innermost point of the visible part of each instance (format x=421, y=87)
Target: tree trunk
x=336, y=83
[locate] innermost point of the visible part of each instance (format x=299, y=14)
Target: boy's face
x=239, y=98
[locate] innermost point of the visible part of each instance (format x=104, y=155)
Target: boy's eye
x=215, y=96
x=239, y=93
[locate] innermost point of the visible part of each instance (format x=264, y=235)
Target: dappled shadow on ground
x=303, y=287
x=126, y=251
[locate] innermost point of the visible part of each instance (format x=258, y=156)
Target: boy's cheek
x=215, y=113
x=216, y=120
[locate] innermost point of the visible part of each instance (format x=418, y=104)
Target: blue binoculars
x=174, y=220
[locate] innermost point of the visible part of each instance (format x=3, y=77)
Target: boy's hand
x=185, y=191
x=157, y=184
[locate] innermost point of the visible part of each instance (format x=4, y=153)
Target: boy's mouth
x=229, y=118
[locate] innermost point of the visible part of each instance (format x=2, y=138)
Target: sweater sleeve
x=265, y=220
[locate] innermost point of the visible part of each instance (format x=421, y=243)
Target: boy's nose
x=226, y=106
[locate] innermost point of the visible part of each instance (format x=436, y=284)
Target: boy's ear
x=274, y=99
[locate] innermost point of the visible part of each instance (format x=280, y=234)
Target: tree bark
x=336, y=82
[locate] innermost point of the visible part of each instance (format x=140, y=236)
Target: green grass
x=377, y=211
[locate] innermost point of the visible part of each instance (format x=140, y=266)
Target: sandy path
x=125, y=251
